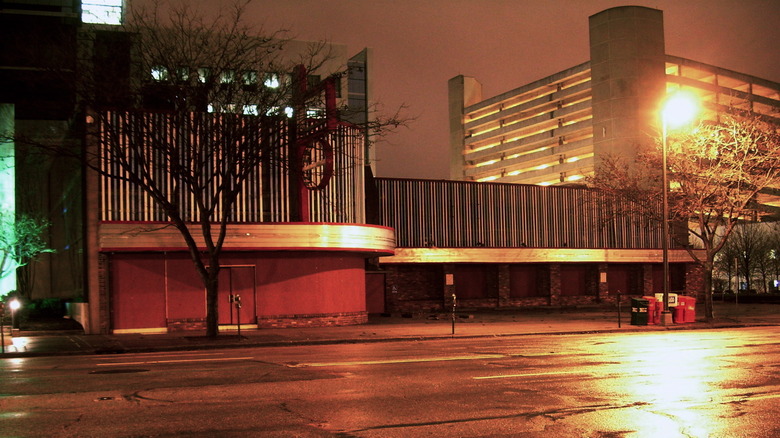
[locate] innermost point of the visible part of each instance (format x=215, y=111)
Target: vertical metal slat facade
x=457, y=214
x=265, y=195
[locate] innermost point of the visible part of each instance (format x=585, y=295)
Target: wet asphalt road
x=700, y=383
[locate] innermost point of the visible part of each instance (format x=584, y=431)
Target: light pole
x=678, y=109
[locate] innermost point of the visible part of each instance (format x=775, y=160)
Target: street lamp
x=678, y=109
x=14, y=305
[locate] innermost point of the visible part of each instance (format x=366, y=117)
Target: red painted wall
x=186, y=297
x=142, y=282
x=147, y=288
x=303, y=283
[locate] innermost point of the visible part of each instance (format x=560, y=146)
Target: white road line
x=151, y=362
x=393, y=361
x=509, y=376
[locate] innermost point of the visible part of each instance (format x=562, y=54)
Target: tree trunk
x=707, y=286
x=212, y=295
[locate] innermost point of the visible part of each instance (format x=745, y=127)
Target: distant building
x=555, y=130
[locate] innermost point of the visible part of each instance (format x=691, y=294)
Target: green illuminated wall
x=7, y=180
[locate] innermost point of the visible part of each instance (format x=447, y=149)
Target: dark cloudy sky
x=420, y=44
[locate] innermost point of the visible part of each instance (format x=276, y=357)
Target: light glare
x=679, y=109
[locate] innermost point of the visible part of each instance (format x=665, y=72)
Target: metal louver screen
x=454, y=214
x=265, y=195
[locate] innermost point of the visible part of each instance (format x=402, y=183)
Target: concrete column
x=603, y=282
x=503, y=285
x=555, y=284
x=104, y=276
x=96, y=282
x=463, y=92
x=647, y=279
x=628, y=76
x=391, y=289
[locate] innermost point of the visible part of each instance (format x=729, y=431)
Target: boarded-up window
x=525, y=280
x=475, y=281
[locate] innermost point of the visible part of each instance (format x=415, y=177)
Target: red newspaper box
x=685, y=311
x=653, y=310
x=689, y=313
x=678, y=311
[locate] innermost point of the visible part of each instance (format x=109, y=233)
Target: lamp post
x=678, y=109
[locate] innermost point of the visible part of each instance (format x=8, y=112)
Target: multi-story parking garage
x=553, y=131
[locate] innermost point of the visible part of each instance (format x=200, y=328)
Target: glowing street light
x=678, y=109
x=14, y=305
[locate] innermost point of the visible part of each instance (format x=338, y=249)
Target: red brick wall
x=694, y=280
x=414, y=288
x=420, y=288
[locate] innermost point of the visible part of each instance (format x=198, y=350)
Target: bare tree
x=716, y=172
x=748, y=245
x=725, y=263
x=763, y=257
x=767, y=263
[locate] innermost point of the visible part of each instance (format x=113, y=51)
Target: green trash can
x=639, y=308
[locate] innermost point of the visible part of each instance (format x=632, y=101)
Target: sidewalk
x=384, y=329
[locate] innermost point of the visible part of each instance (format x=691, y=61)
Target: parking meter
x=237, y=301
x=454, y=304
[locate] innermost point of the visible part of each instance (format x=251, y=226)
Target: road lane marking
x=161, y=354
x=508, y=376
x=213, y=359
x=394, y=361
x=762, y=396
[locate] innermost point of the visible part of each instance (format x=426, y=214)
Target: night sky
x=420, y=44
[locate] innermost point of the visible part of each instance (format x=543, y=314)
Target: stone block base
x=312, y=320
x=185, y=325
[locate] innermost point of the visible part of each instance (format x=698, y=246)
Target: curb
x=305, y=342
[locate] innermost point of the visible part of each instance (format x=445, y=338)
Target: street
x=694, y=383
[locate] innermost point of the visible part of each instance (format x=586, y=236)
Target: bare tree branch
x=716, y=172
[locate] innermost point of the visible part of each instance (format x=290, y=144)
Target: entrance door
x=237, y=281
